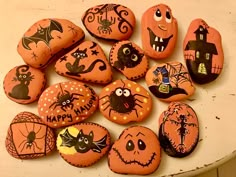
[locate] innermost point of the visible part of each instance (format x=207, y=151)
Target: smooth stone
x=83, y=144
x=113, y=22
x=170, y=81
x=28, y=137
x=125, y=101
x=87, y=62
x=47, y=40
x=24, y=84
x=129, y=59
x=137, y=152
x=179, y=130
x=67, y=103
x=203, y=52
x=159, y=31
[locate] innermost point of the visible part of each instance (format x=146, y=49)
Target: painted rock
x=203, y=52
x=48, y=39
x=109, y=21
x=128, y=58
x=83, y=144
x=137, y=151
x=28, y=137
x=125, y=101
x=87, y=62
x=159, y=31
x=67, y=103
x=179, y=129
x=170, y=81
x=24, y=84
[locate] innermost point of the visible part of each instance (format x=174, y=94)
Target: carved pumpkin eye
x=141, y=145
x=126, y=51
x=134, y=57
x=119, y=92
x=168, y=17
x=157, y=15
x=130, y=145
x=126, y=92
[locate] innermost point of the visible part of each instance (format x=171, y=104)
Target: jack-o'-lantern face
x=159, y=31
x=137, y=151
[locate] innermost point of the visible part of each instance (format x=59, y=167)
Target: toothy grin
x=158, y=44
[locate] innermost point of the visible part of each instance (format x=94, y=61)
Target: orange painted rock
x=179, y=129
x=203, y=52
x=28, y=137
x=128, y=58
x=67, y=103
x=125, y=101
x=87, y=62
x=24, y=84
x=83, y=144
x=170, y=81
x=137, y=151
x=109, y=21
x=48, y=39
x=159, y=31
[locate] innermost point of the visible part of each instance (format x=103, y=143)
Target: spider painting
x=65, y=100
x=122, y=100
x=30, y=141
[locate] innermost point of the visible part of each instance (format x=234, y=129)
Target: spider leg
x=22, y=143
x=76, y=94
x=106, y=102
x=138, y=100
x=71, y=105
x=104, y=97
x=53, y=105
x=38, y=129
x=34, y=143
x=139, y=105
x=62, y=107
x=136, y=112
x=106, y=107
x=110, y=112
x=23, y=134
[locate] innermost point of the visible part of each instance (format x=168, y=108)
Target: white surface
x=218, y=142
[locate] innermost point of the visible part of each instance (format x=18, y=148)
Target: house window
x=197, y=54
x=202, y=69
x=201, y=36
x=207, y=56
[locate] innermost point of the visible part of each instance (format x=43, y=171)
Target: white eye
x=63, y=103
x=86, y=141
x=168, y=17
x=24, y=76
x=68, y=101
x=157, y=15
x=134, y=57
x=119, y=92
x=81, y=139
x=20, y=76
x=126, y=51
x=126, y=92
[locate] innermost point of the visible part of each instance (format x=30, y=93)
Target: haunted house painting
x=200, y=68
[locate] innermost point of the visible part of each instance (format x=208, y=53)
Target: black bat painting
x=83, y=143
x=42, y=34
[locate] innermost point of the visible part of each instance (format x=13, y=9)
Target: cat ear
x=130, y=44
x=81, y=132
x=91, y=134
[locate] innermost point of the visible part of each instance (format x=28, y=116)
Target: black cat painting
x=128, y=57
x=24, y=77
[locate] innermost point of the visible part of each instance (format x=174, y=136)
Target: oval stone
x=83, y=144
x=67, y=103
x=87, y=62
x=170, y=81
x=159, y=31
x=179, y=129
x=125, y=101
x=24, y=84
x=109, y=21
x=137, y=151
x=203, y=52
x=129, y=59
x=28, y=137
x=48, y=39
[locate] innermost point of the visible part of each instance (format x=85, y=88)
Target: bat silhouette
x=83, y=143
x=42, y=34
